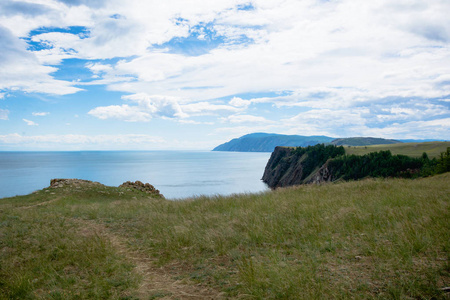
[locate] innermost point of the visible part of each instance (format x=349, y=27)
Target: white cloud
x=306, y=46
x=99, y=142
x=30, y=123
x=20, y=69
x=412, y=111
x=41, y=14
x=335, y=123
x=147, y=107
x=207, y=108
x=158, y=105
x=99, y=68
x=40, y=114
x=119, y=29
x=22, y=8
x=246, y=119
x=348, y=123
x=352, y=67
x=192, y=122
x=55, y=55
x=378, y=49
x=431, y=129
x=121, y=112
x=239, y=102
x=4, y=114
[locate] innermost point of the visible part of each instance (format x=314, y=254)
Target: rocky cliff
x=316, y=164
x=291, y=166
x=280, y=169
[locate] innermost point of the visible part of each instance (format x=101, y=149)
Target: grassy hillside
x=362, y=141
x=433, y=149
x=362, y=239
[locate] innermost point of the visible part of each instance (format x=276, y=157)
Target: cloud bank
x=339, y=68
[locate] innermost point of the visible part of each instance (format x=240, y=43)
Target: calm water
x=177, y=174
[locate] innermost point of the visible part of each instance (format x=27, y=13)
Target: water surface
x=177, y=174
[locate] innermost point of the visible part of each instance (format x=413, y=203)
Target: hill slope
x=362, y=141
x=266, y=142
x=433, y=149
x=363, y=239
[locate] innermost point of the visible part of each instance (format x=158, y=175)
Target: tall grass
x=44, y=256
x=364, y=239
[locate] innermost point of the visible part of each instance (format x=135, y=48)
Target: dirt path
x=40, y=204
x=157, y=283
x=25, y=207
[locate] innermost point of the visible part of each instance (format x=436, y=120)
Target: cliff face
x=292, y=166
x=279, y=167
x=324, y=174
x=320, y=163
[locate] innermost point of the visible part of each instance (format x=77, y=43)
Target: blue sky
x=152, y=75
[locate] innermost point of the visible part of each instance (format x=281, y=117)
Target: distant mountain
x=266, y=142
x=363, y=141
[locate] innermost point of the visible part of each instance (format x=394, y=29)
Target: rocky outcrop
x=322, y=175
x=61, y=182
x=143, y=187
x=77, y=183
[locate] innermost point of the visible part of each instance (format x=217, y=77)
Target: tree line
x=317, y=156
x=375, y=164
x=384, y=164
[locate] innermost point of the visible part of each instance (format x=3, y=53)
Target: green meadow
x=433, y=149
x=368, y=239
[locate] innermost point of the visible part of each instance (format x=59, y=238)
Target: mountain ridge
x=266, y=142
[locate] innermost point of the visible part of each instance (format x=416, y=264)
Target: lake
x=177, y=174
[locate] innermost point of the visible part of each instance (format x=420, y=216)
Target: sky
x=190, y=75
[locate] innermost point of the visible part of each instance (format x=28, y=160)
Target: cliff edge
x=316, y=164
x=291, y=166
